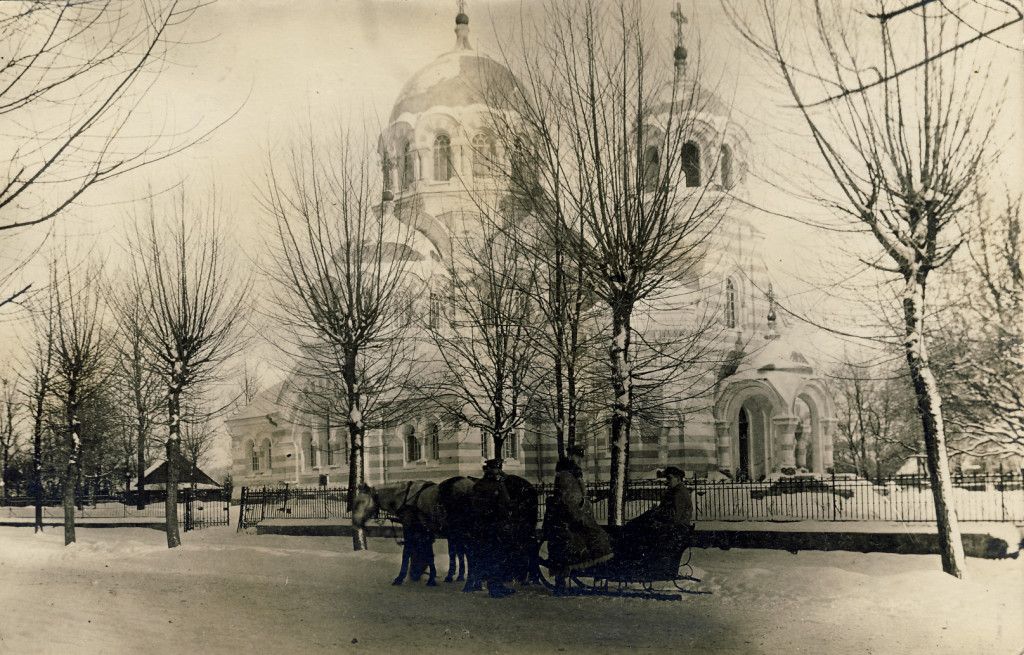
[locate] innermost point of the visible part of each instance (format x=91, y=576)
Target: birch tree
x=901, y=153
x=195, y=299
x=343, y=283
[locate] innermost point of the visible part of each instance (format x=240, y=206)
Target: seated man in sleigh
x=662, y=531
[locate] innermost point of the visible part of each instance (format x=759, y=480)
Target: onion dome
x=459, y=78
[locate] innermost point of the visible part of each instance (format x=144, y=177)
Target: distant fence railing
x=201, y=509
x=995, y=497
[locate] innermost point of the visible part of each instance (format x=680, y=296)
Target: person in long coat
x=670, y=519
x=492, y=531
x=575, y=540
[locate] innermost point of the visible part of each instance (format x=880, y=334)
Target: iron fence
x=995, y=497
x=196, y=510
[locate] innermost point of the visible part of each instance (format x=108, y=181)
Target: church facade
x=767, y=412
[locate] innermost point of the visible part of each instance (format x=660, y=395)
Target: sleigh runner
x=632, y=572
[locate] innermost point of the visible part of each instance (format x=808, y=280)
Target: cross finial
x=680, y=19
x=462, y=6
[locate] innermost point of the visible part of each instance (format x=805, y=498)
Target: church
x=767, y=413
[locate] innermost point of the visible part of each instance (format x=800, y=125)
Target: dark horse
x=425, y=510
x=503, y=533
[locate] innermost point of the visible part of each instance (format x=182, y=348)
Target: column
x=784, y=428
x=723, y=443
x=828, y=427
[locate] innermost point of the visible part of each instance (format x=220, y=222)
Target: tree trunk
x=140, y=462
x=929, y=405
x=3, y=474
x=571, y=406
x=356, y=476
x=561, y=424
x=37, y=464
x=173, y=449
x=621, y=413
x=356, y=436
x=73, y=444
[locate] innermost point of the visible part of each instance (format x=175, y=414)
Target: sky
x=260, y=70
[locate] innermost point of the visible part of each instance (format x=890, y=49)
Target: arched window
x=434, y=441
x=510, y=449
x=412, y=445
x=443, y=166
x=309, y=448
x=652, y=165
x=691, y=163
x=484, y=154
x=730, y=304
x=252, y=455
x=328, y=448
x=387, y=169
x=265, y=462
x=408, y=172
x=725, y=164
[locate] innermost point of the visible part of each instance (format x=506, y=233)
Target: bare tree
x=609, y=139
x=80, y=347
x=901, y=156
x=37, y=387
x=195, y=302
x=343, y=268
x=483, y=338
x=10, y=436
x=873, y=405
x=138, y=387
x=198, y=436
x=251, y=384
x=982, y=338
x=73, y=74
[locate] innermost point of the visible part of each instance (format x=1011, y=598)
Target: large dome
x=458, y=78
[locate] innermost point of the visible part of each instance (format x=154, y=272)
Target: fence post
x=188, y=510
x=263, y=504
x=241, y=508
x=833, y=493
x=1003, y=493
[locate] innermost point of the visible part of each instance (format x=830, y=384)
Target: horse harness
x=407, y=502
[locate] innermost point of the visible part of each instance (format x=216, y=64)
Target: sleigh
x=634, y=573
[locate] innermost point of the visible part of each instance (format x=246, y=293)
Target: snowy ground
x=121, y=590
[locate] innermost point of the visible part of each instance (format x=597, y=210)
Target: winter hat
x=671, y=470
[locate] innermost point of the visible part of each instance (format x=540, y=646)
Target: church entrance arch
x=746, y=414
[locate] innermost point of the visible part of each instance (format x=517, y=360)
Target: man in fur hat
x=575, y=540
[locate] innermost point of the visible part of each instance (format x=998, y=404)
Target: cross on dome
x=680, y=52
x=462, y=28
x=677, y=16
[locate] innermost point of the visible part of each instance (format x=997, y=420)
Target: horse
x=453, y=494
x=414, y=504
x=425, y=510
x=503, y=536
